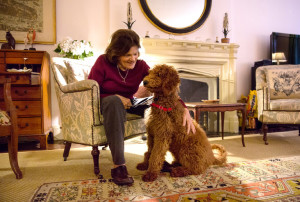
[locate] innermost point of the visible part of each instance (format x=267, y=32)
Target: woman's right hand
x=126, y=102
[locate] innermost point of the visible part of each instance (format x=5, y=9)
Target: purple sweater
x=110, y=81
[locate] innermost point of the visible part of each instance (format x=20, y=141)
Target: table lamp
x=278, y=57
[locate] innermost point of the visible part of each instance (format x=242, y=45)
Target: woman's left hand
x=187, y=120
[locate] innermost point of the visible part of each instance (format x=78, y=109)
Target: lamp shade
x=278, y=57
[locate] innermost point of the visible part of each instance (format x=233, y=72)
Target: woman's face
x=128, y=60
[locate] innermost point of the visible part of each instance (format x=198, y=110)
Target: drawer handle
x=26, y=125
x=26, y=107
x=20, y=93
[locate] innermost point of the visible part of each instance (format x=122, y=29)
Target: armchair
x=79, y=105
x=278, y=95
x=8, y=125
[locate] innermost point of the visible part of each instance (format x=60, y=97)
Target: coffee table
x=197, y=107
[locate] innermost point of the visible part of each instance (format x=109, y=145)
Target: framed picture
x=20, y=16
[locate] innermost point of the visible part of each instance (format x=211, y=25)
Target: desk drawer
x=23, y=93
x=18, y=79
x=26, y=108
x=29, y=126
x=26, y=93
x=23, y=55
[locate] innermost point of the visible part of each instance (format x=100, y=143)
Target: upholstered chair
x=278, y=95
x=8, y=125
x=79, y=106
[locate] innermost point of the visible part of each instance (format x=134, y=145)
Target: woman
x=119, y=74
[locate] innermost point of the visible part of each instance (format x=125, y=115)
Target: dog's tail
x=221, y=158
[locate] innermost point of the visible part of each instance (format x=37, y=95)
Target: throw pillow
x=77, y=70
x=63, y=71
x=284, y=83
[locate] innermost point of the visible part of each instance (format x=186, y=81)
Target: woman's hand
x=187, y=120
x=126, y=102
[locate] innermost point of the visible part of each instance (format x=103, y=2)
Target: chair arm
x=79, y=98
x=7, y=94
x=83, y=85
x=9, y=106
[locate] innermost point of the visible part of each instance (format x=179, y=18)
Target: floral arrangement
x=74, y=49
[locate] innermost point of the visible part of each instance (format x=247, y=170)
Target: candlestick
x=129, y=22
x=129, y=13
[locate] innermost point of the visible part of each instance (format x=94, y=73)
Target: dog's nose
x=145, y=82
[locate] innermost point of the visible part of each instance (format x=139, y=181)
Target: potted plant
x=225, y=29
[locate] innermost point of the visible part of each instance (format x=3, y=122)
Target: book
x=141, y=101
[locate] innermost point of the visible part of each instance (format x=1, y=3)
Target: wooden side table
x=197, y=107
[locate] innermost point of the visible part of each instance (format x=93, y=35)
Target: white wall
x=250, y=22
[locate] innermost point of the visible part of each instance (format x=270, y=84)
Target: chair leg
x=67, y=150
x=105, y=147
x=144, y=137
x=265, y=131
x=13, y=156
x=95, y=153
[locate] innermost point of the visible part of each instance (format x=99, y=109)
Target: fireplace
x=199, y=61
x=195, y=89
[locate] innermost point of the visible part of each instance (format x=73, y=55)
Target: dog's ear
x=171, y=80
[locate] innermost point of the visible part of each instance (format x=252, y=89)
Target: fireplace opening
x=193, y=91
x=197, y=89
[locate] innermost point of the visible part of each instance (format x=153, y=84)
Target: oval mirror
x=176, y=16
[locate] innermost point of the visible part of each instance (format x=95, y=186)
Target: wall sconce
x=278, y=57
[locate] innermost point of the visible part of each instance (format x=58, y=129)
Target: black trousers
x=114, y=116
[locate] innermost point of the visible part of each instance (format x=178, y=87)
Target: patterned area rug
x=264, y=180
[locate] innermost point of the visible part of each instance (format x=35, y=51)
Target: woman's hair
x=121, y=42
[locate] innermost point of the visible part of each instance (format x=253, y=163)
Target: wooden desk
x=197, y=107
x=30, y=92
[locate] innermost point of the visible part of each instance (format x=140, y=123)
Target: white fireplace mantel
x=203, y=59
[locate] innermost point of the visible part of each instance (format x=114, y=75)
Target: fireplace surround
x=199, y=60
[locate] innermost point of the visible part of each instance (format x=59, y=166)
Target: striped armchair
x=79, y=105
x=278, y=95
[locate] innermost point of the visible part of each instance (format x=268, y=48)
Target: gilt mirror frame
x=173, y=30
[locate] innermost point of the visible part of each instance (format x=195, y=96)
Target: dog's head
x=162, y=79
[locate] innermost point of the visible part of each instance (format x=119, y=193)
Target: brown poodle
x=192, y=153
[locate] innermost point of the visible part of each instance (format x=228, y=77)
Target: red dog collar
x=161, y=107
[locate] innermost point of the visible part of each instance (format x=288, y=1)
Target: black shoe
x=166, y=167
x=120, y=176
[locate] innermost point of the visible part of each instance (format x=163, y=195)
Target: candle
x=129, y=13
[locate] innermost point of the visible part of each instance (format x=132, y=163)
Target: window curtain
x=294, y=46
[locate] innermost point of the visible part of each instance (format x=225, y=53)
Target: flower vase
x=225, y=40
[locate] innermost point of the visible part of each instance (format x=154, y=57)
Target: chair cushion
x=284, y=83
x=4, y=118
x=78, y=70
x=285, y=104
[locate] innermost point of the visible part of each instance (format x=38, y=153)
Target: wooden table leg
x=222, y=124
x=197, y=114
x=243, y=124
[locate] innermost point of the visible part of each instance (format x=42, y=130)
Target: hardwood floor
x=27, y=144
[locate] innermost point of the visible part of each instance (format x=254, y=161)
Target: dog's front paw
x=149, y=177
x=142, y=166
